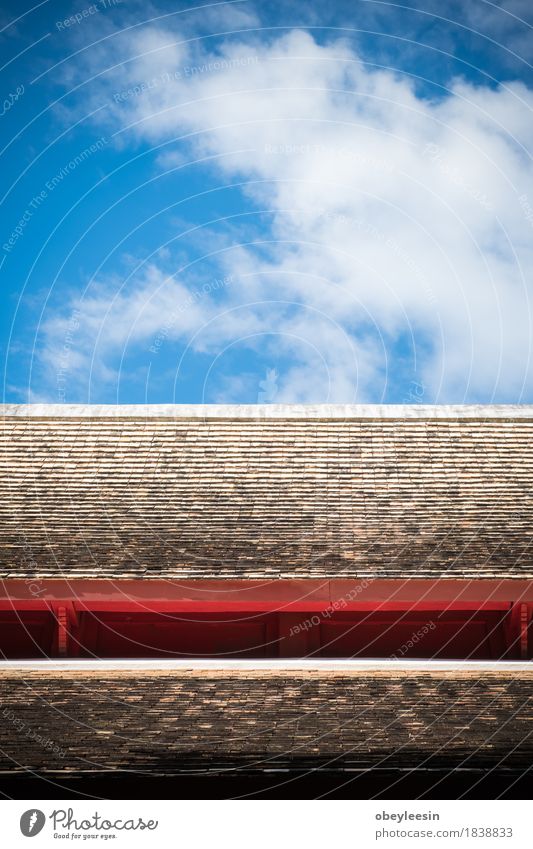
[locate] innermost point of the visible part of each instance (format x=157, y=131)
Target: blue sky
x=266, y=202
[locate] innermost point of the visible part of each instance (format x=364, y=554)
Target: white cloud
x=392, y=216
x=107, y=319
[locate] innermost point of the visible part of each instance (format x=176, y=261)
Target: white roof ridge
x=271, y=411
x=274, y=664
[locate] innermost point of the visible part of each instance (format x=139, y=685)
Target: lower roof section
x=75, y=718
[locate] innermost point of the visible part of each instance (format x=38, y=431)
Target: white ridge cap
x=292, y=664
x=271, y=411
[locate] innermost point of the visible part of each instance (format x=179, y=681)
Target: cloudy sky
x=248, y=202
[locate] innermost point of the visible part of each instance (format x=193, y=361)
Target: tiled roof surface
x=189, y=720
x=185, y=497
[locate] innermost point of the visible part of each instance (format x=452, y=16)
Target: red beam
x=276, y=618
x=308, y=594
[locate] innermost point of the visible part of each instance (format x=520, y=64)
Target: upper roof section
x=266, y=492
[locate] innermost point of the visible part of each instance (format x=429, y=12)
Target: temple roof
x=166, y=719
x=272, y=491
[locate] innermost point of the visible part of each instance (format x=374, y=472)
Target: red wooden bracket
x=524, y=622
x=62, y=631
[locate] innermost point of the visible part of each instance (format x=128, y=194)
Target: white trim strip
x=304, y=664
x=271, y=411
